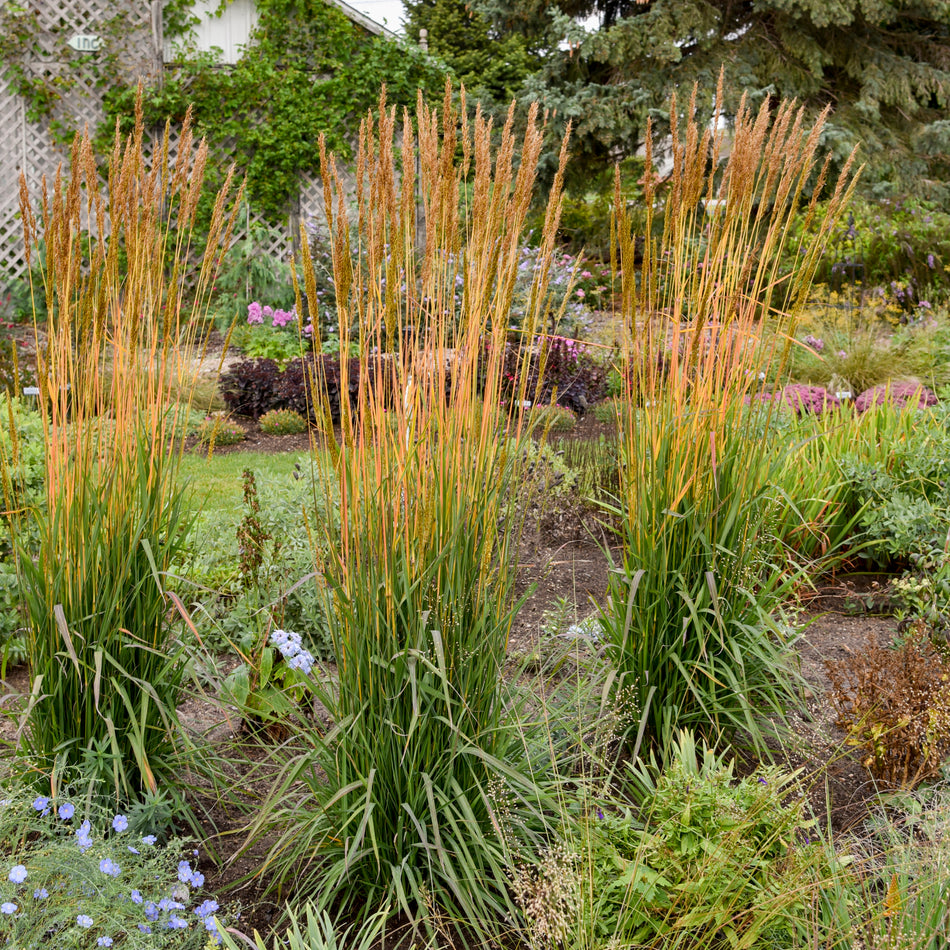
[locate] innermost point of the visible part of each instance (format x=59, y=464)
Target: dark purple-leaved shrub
x=249, y=388
x=305, y=383
x=896, y=394
x=559, y=368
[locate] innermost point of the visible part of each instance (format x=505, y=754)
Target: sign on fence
x=84, y=42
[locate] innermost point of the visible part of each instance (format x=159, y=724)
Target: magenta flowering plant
x=273, y=333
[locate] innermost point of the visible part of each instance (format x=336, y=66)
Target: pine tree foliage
x=491, y=65
x=882, y=65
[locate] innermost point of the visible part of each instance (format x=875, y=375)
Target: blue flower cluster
x=168, y=913
x=291, y=649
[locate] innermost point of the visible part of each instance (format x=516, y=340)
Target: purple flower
x=41, y=804
x=108, y=866
x=900, y=395
x=84, y=920
x=816, y=343
x=17, y=874
x=149, y=839
x=104, y=942
x=145, y=928
x=40, y=894
x=302, y=661
x=83, y=838
x=8, y=907
x=120, y=823
x=197, y=879
x=931, y=262
x=67, y=810
x=184, y=871
x=136, y=897
x=206, y=908
x=176, y=923
x=254, y=314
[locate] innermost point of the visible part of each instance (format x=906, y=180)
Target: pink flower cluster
x=278, y=318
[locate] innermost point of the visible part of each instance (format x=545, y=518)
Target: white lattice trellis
x=28, y=148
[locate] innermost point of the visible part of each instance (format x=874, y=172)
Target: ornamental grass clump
x=689, y=619
x=417, y=793
x=106, y=668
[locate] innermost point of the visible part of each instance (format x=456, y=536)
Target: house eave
x=368, y=24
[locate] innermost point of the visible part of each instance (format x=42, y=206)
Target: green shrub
x=23, y=453
x=220, y=430
x=897, y=466
x=282, y=422
x=608, y=411
x=544, y=419
x=922, y=594
x=23, y=480
x=594, y=465
x=900, y=246
x=706, y=860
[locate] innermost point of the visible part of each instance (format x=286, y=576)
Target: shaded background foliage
x=884, y=68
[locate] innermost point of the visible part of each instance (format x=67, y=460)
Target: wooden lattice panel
x=30, y=149
x=26, y=149
x=310, y=205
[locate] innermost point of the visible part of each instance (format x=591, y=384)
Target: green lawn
x=216, y=484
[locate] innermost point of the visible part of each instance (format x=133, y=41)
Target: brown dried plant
x=895, y=705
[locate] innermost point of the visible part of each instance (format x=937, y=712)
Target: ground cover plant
x=708, y=855
x=98, y=880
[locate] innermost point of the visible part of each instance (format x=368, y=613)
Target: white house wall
x=230, y=31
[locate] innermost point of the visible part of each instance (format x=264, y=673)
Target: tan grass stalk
x=118, y=340
x=420, y=562
x=701, y=566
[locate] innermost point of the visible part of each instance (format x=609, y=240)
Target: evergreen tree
x=883, y=67
x=491, y=65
